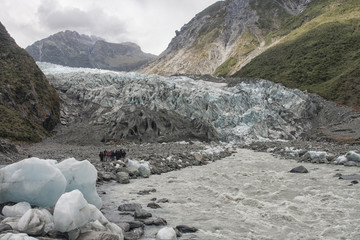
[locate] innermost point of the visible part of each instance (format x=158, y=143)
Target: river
x=251, y=195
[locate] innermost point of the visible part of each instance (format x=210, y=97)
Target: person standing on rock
x=101, y=155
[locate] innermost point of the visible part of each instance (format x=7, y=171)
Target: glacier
x=116, y=105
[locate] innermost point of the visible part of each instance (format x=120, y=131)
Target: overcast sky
x=149, y=23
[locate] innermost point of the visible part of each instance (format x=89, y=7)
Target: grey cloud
x=94, y=21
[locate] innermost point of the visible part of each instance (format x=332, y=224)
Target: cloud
x=149, y=23
x=94, y=21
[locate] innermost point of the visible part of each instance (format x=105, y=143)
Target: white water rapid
x=251, y=195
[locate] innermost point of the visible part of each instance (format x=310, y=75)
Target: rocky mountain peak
x=69, y=48
x=226, y=32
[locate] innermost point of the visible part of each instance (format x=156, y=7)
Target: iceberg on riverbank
x=41, y=182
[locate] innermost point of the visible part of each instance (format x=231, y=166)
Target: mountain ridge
x=69, y=48
x=29, y=106
x=320, y=52
x=224, y=33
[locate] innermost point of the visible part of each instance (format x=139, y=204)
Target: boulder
x=144, y=171
x=300, y=169
x=142, y=214
x=135, y=224
x=132, y=207
x=133, y=171
x=186, y=229
x=153, y=205
x=123, y=177
x=92, y=235
x=134, y=234
x=166, y=233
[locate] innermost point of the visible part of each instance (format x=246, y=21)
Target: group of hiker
x=112, y=155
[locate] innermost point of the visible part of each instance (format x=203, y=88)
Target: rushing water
x=252, y=195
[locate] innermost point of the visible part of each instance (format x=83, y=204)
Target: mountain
x=223, y=37
x=70, y=48
x=29, y=106
x=319, y=52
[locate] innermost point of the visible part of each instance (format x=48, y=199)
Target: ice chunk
x=353, y=156
x=81, y=175
x=32, y=180
x=17, y=210
x=166, y=233
x=142, y=167
x=18, y=236
x=35, y=222
x=341, y=159
x=71, y=211
x=315, y=154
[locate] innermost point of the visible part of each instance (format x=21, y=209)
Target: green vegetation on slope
x=29, y=105
x=322, y=56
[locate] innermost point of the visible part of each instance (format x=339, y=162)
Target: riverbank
x=250, y=195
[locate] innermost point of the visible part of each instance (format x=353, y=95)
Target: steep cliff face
x=29, y=105
x=72, y=49
x=223, y=37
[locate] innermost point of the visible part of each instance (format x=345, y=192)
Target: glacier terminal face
x=132, y=106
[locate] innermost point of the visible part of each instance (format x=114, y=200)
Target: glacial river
x=251, y=195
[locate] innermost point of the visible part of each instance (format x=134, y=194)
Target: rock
x=133, y=171
x=142, y=214
x=153, y=205
x=134, y=234
x=5, y=227
x=123, y=177
x=155, y=221
x=129, y=207
x=124, y=226
x=7, y=147
x=163, y=200
x=146, y=192
x=108, y=176
x=166, y=233
x=191, y=237
x=330, y=157
x=198, y=157
x=92, y=235
x=350, y=177
x=144, y=171
x=135, y=224
x=300, y=169
x=186, y=229
x=350, y=164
